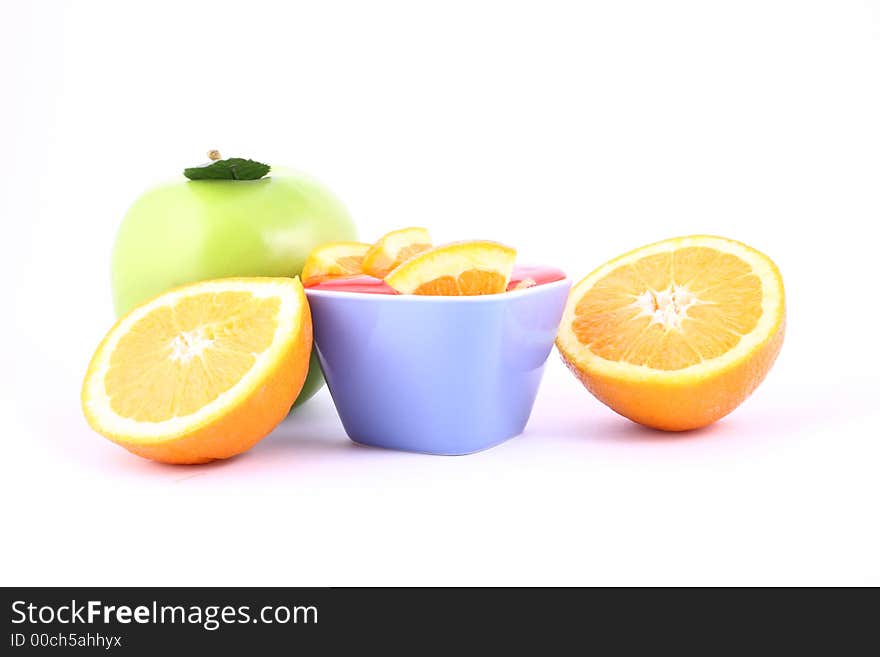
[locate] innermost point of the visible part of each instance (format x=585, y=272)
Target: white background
x=573, y=131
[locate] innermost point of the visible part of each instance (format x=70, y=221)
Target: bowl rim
x=416, y=298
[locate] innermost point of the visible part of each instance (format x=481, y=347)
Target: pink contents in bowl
x=532, y=275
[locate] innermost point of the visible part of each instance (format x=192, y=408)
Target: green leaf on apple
x=233, y=168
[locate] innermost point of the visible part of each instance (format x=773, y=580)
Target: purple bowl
x=438, y=375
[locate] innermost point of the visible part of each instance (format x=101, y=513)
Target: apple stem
x=214, y=155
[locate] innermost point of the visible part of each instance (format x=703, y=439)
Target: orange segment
x=458, y=269
x=676, y=334
x=393, y=248
x=201, y=372
x=525, y=284
x=334, y=259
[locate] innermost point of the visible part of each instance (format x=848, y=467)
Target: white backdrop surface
x=573, y=131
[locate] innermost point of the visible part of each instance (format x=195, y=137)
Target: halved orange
x=201, y=372
x=334, y=259
x=457, y=269
x=675, y=335
x=393, y=248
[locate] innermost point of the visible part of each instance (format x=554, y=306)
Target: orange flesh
x=408, y=252
x=472, y=282
x=382, y=264
x=670, y=310
x=351, y=264
x=200, y=343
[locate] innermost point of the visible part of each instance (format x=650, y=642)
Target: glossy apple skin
x=192, y=230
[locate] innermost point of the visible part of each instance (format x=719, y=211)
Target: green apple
x=191, y=230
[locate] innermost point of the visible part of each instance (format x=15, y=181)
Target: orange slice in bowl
x=675, y=335
x=334, y=259
x=393, y=248
x=201, y=372
x=457, y=269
